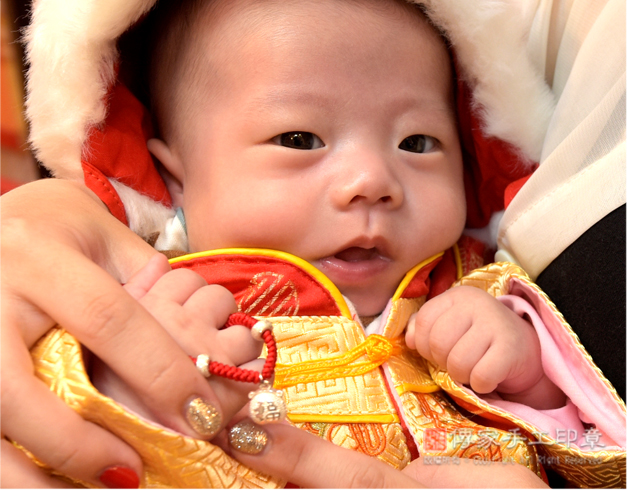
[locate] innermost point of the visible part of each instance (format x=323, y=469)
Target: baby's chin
x=368, y=305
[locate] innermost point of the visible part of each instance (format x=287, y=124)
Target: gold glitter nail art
x=203, y=417
x=248, y=437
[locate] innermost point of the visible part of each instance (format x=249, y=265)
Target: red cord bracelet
x=267, y=404
x=264, y=328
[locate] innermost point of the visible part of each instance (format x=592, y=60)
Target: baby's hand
x=483, y=344
x=192, y=312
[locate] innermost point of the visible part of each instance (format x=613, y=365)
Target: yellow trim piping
x=458, y=261
x=344, y=419
x=306, y=266
x=410, y=387
x=410, y=275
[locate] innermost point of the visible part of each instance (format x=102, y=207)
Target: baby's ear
x=171, y=169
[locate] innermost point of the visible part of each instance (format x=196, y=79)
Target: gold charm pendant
x=267, y=405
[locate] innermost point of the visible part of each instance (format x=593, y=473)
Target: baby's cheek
x=267, y=221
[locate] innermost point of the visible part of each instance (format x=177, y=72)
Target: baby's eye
x=417, y=143
x=299, y=140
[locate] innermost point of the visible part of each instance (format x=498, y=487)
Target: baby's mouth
x=354, y=266
x=358, y=254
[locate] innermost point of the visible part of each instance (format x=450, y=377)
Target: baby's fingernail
x=203, y=417
x=248, y=437
x=119, y=477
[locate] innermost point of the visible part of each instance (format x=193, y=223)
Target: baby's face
x=334, y=139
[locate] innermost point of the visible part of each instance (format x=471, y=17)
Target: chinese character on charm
x=267, y=405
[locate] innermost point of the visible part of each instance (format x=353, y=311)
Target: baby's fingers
x=144, y=279
x=210, y=307
x=466, y=354
x=492, y=369
x=233, y=395
x=176, y=286
x=421, y=323
x=437, y=327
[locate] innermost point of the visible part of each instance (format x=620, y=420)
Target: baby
x=320, y=139
x=347, y=156
x=320, y=130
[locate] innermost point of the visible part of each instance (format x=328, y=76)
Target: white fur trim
x=71, y=50
x=490, y=40
x=145, y=216
x=174, y=236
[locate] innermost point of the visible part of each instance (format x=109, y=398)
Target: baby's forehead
x=225, y=21
x=200, y=39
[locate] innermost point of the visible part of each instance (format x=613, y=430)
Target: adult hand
x=63, y=258
x=310, y=462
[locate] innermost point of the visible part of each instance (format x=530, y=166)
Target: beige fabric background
x=579, y=45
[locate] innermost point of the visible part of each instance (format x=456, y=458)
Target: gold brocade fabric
x=171, y=460
x=586, y=469
x=361, y=412
x=356, y=412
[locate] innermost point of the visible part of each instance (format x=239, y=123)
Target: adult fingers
x=297, y=456
x=18, y=471
x=91, y=304
x=37, y=419
x=467, y=473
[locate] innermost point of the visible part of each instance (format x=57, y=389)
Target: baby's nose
x=367, y=179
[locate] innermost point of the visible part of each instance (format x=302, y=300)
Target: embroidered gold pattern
x=464, y=438
x=341, y=410
x=383, y=441
x=305, y=339
x=408, y=370
x=270, y=294
x=170, y=459
x=375, y=350
x=370, y=438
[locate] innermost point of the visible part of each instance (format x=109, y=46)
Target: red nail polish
x=119, y=477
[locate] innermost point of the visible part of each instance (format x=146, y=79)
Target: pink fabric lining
x=590, y=399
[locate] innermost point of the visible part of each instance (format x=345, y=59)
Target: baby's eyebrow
x=282, y=96
x=396, y=103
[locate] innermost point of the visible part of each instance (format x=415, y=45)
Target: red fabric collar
x=267, y=285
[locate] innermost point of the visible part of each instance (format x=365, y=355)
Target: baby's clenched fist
x=483, y=344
